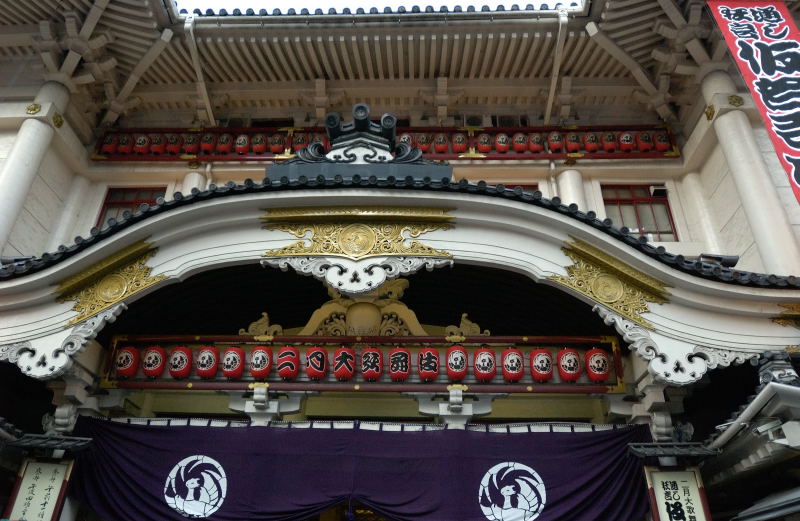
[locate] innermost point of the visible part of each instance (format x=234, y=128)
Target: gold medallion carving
x=33, y=108
x=58, y=120
x=611, y=282
x=357, y=232
x=735, y=100
x=109, y=281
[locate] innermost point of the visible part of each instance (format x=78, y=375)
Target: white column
x=65, y=227
x=773, y=234
x=193, y=179
x=570, y=188
x=23, y=162
x=693, y=194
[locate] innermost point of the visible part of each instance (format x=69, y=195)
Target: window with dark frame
x=118, y=200
x=643, y=209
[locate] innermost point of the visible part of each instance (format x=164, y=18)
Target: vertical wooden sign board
x=39, y=492
x=677, y=495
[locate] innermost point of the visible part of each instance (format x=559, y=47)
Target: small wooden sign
x=677, y=495
x=39, y=492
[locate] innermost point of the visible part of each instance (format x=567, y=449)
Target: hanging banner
x=39, y=492
x=765, y=44
x=677, y=494
x=244, y=473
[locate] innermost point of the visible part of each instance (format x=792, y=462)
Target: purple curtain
x=158, y=473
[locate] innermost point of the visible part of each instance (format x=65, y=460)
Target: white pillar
x=25, y=157
x=65, y=227
x=193, y=179
x=693, y=194
x=570, y=188
x=773, y=234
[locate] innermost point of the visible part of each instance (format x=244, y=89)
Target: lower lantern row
x=207, y=362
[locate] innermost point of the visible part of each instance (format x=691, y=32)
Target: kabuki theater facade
x=533, y=262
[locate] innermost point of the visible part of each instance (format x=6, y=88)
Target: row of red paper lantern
x=209, y=143
x=154, y=361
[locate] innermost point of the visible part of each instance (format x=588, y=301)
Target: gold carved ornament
x=109, y=281
x=611, y=282
x=357, y=232
x=790, y=317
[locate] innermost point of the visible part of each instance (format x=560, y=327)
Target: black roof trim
x=707, y=270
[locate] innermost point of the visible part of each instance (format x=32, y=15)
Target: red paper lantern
x=299, y=141
x=316, y=363
x=126, y=363
x=569, y=365
x=626, y=141
x=125, y=144
x=224, y=144
x=407, y=139
x=598, y=365
x=555, y=143
x=484, y=364
x=484, y=143
x=207, y=143
x=501, y=143
x=260, y=362
x=173, y=143
x=276, y=143
x=662, y=142
x=456, y=363
x=440, y=144
x=158, y=144
x=424, y=142
x=110, y=144
x=535, y=142
x=541, y=365
x=259, y=143
x=519, y=142
x=428, y=364
x=371, y=364
x=399, y=364
x=644, y=142
x=191, y=144
x=609, y=142
x=513, y=367
x=344, y=363
x=154, y=361
x=141, y=144
x=288, y=362
x=233, y=362
x=591, y=142
x=242, y=144
x=207, y=362
x=180, y=362
x=573, y=142
x=460, y=143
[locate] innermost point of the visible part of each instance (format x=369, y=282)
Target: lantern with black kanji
x=207, y=143
x=242, y=144
x=407, y=139
x=598, y=365
x=299, y=141
x=207, y=362
x=573, y=142
x=569, y=365
x=662, y=142
x=399, y=364
x=224, y=144
x=141, y=144
x=591, y=142
x=191, y=144
x=460, y=143
x=125, y=145
x=541, y=365
x=154, y=361
x=512, y=365
x=110, y=144
x=260, y=362
x=259, y=142
x=644, y=141
x=287, y=363
x=371, y=364
x=428, y=364
x=233, y=362
x=180, y=362
x=456, y=363
x=535, y=142
x=484, y=365
x=424, y=142
x=316, y=363
x=344, y=363
x=484, y=143
x=519, y=142
x=276, y=143
x=174, y=142
x=440, y=144
x=501, y=143
x=609, y=141
x=126, y=363
x=626, y=141
x=157, y=144
x=555, y=143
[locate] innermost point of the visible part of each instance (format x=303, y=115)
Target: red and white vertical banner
x=765, y=43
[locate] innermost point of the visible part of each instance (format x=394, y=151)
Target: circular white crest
x=511, y=491
x=196, y=486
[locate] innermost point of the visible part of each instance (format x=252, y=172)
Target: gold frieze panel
x=611, y=282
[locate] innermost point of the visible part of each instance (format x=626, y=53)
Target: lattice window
x=643, y=209
x=120, y=199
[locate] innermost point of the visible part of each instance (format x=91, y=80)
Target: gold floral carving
x=109, y=281
x=262, y=327
x=357, y=232
x=33, y=108
x=58, y=120
x=790, y=317
x=735, y=100
x=709, y=112
x=611, y=282
x=464, y=329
